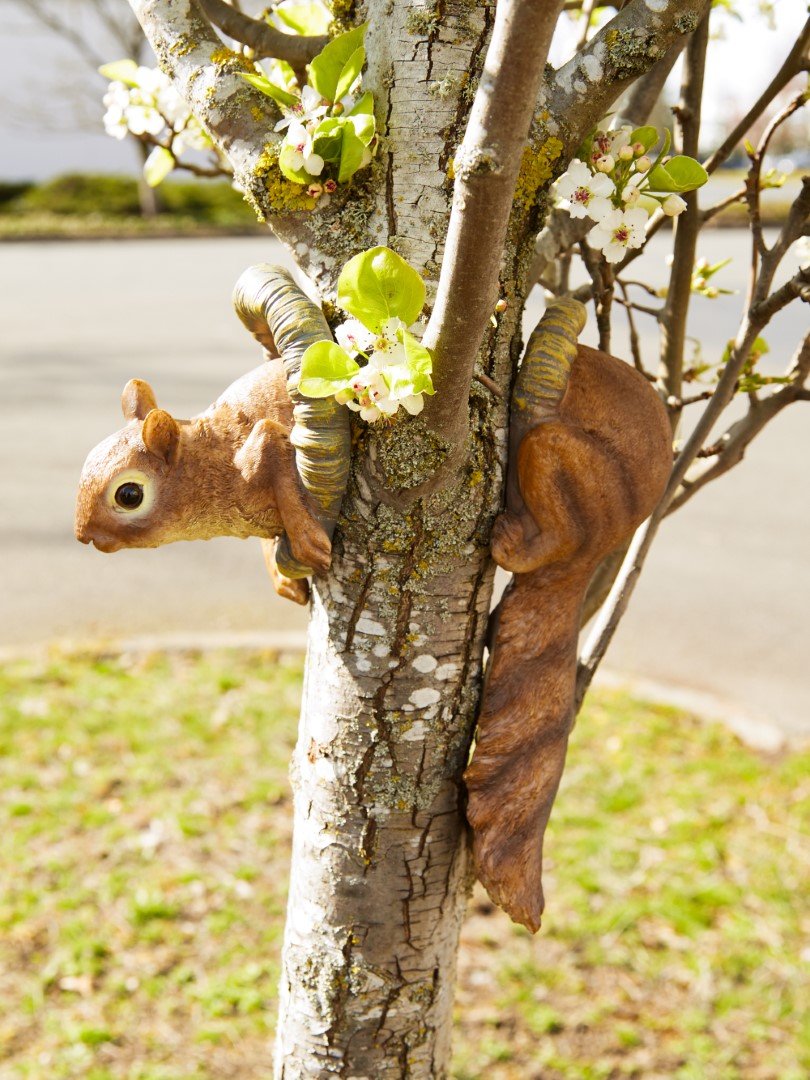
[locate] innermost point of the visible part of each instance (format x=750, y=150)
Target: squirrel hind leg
x=578, y=492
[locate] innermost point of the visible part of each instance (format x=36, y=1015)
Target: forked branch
x=265, y=40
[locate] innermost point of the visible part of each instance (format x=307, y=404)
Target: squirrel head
x=131, y=492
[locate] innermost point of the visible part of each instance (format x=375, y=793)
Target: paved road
x=722, y=607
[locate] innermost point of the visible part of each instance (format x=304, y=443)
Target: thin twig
x=730, y=448
x=561, y=230
x=616, y=603
x=711, y=211
x=635, y=343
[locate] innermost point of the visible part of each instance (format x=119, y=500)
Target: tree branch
x=795, y=61
x=239, y=119
x=265, y=40
x=739, y=436
x=583, y=90
x=755, y=319
x=561, y=231
x=486, y=171
x=65, y=30
x=687, y=226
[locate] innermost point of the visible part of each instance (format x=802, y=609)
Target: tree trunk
x=380, y=870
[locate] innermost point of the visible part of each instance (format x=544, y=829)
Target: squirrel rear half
x=590, y=455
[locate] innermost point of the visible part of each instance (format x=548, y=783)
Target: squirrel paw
x=295, y=589
x=507, y=541
x=312, y=547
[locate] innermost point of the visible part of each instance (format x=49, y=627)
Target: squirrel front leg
x=267, y=458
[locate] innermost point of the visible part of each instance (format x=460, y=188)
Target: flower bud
x=501, y=306
x=630, y=195
x=673, y=205
x=638, y=148
x=643, y=163
x=605, y=164
x=337, y=108
x=626, y=153
x=314, y=191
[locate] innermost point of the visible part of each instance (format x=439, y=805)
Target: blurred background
x=148, y=698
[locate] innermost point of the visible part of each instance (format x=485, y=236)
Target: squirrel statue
x=590, y=456
x=260, y=461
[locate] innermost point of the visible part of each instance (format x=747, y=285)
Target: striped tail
x=543, y=377
x=286, y=322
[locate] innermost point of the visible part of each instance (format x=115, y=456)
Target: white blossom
x=354, y=337
x=306, y=111
x=584, y=194
x=618, y=231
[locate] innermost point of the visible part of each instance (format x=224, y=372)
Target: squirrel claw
x=313, y=548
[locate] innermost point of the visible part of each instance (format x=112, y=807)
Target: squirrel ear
x=137, y=399
x=161, y=435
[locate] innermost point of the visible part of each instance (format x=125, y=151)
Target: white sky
x=743, y=58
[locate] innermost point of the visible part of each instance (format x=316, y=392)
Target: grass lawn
x=143, y=854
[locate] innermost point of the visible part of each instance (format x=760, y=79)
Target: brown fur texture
x=228, y=472
x=582, y=479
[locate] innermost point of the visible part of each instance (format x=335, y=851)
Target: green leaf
x=326, y=69
x=351, y=69
x=158, y=166
x=377, y=285
x=351, y=154
x=647, y=136
x=277, y=93
x=364, y=127
x=680, y=174
x=420, y=363
x=298, y=176
x=364, y=105
x=125, y=71
x=308, y=17
x=325, y=369
x=327, y=139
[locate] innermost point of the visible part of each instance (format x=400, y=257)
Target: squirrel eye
x=129, y=496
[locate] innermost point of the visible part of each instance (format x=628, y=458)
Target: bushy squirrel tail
x=525, y=714
x=590, y=455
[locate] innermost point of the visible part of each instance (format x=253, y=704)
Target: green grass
x=142, y=875
x=88, y=205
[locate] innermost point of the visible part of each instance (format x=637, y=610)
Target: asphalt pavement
x=722, y=605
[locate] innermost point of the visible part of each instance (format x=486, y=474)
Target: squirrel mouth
x=101, y=543
x=107, y=546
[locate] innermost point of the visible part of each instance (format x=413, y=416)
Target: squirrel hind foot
x=513, y=880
